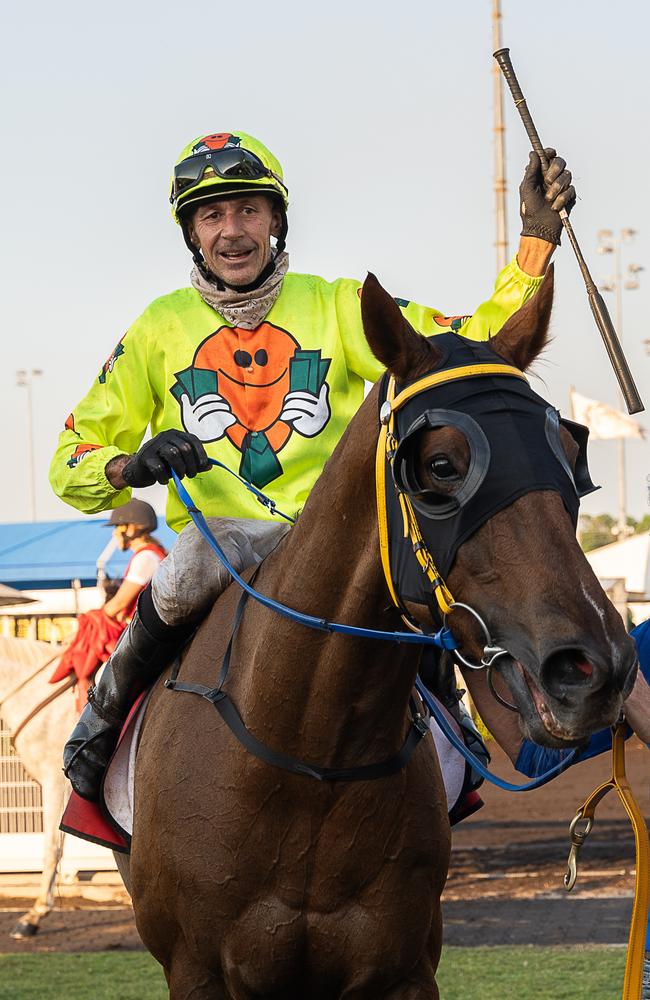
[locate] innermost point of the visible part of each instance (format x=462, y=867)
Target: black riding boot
x=138, y=659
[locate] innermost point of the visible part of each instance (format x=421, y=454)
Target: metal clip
x=578, y=838
x=421, y=724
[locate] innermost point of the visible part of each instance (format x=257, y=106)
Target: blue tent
x=49, y=555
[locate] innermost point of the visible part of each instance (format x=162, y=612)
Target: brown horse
x=249, y=881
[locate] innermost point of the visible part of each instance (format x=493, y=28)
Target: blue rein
x=458, y=743
x=443, y=639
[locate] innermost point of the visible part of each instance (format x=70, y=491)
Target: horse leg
x=187, y=981
x=53, y=798
x=414, y=989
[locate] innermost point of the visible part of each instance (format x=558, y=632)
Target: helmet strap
x=197, y=256
x=281, y=240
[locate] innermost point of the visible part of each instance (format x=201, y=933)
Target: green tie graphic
x=259, y=464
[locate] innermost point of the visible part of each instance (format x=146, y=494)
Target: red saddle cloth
x=86, y=820
x=93, y=644
x=91, y=820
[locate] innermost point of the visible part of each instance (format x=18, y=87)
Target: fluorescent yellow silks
x=270, y=403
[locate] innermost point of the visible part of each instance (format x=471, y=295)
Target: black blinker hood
x=515, y=448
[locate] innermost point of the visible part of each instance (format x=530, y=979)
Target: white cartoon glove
x=306, y=413
x=209, y=417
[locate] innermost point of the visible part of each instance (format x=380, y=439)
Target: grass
x=531, y=973
x=487, y=973
x=101, y=975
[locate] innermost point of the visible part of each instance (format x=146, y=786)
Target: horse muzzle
x=571, y=694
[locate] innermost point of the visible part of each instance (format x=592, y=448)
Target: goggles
x=231, y=164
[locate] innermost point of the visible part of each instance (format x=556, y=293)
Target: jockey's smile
x=233, y=234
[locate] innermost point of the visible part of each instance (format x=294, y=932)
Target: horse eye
x=442, y=468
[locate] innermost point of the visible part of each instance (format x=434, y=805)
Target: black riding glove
x=168, y=450
x=543, y=194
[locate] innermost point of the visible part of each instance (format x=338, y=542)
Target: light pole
x=500, y=186
x=611, y=243
x=24, y=379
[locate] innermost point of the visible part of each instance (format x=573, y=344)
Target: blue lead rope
x=442, y=639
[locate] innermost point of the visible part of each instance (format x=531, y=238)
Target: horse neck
x=329, y=566
x=17, y=663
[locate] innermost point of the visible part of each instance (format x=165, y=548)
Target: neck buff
x=239, y=307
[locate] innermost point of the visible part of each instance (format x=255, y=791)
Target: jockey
x=100, y=630
x=132, y=526
x=254, y=365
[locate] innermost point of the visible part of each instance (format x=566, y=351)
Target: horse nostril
x=566, y=669
x=585, y=667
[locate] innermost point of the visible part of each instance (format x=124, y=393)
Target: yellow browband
x=386, y=447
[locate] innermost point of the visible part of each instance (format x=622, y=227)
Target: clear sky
x=381, y=114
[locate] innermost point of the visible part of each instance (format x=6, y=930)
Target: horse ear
x=392, y=339
x=525, y=335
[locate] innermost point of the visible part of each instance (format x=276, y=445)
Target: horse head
x=493, y=475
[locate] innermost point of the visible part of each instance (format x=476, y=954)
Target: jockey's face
x=234, y=233
x=124, y=535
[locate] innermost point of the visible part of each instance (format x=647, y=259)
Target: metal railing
x=21, y=809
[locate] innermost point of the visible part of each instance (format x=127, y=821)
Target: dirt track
x=505, y=880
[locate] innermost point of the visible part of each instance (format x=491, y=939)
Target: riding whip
x=604, y=323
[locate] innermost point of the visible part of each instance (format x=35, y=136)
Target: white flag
x=603, y=421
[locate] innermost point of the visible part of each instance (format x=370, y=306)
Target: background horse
x=40, y=747
x=249, y=881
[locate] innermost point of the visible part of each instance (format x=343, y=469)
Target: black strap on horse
x=228, y=712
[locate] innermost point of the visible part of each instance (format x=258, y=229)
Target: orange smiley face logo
x=252, y=369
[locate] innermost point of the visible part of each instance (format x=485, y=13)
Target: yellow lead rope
x=633, y=982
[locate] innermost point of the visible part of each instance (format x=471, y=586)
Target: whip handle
x=600, y=312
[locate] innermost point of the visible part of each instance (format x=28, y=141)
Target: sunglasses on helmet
x=230, y=164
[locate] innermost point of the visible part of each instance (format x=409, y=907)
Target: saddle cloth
x=109, y=822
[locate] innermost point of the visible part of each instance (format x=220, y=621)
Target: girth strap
x=228, y=712
x=364, y=772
